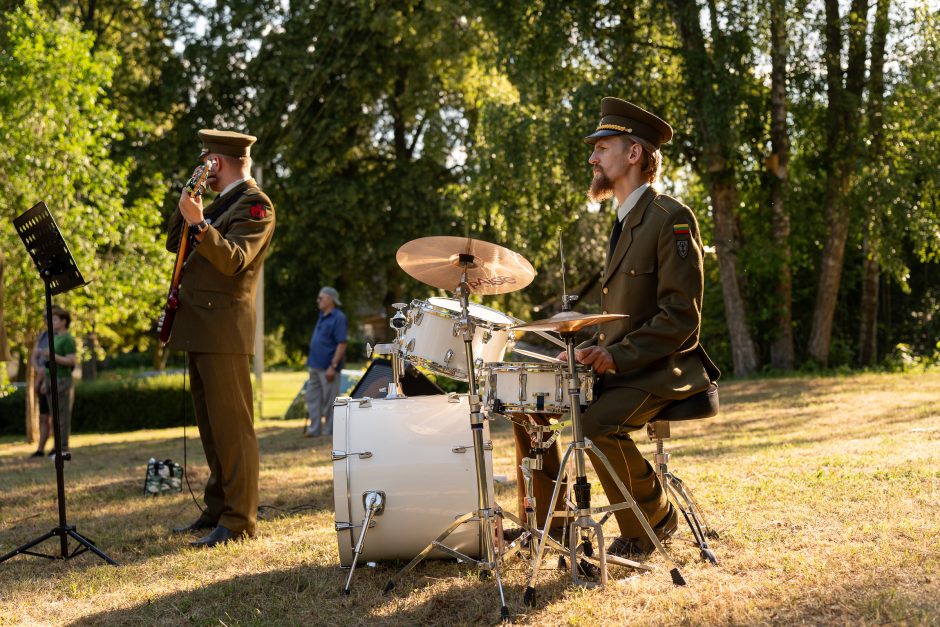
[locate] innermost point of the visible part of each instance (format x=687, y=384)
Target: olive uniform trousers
x=221, y=388
x=633, y=408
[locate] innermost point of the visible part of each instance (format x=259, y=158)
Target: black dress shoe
x=642, y=548
x=201, y=524
x=219, y=535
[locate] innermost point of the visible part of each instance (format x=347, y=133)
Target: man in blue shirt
x=325, y=362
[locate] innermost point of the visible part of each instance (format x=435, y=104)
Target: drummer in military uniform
x=215, y=326
x=653, y=273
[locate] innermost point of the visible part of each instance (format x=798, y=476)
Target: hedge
x=122, y=405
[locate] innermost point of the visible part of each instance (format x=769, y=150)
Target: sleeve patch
x=258, y=211
x=683, y=237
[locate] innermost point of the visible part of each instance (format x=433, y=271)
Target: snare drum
x=532, y=388
x=418, y=452
x=432, y=336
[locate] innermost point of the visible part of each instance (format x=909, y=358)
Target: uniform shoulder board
x=667, y=203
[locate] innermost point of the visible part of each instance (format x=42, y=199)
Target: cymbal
x=491, y=269
x=567, y=322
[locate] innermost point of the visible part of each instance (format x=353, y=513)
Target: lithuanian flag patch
x=681, y=231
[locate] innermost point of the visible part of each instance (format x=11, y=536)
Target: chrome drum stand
x=585, y=532
x=488, y=517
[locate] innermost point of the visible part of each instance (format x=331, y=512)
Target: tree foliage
x=57, y=128
x=382, y=122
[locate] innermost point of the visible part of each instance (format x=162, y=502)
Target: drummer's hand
x=597, y=357
x=190, y=207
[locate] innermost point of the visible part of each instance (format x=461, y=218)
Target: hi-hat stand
x=58, y=270
x=487, y=516
x=584, y=531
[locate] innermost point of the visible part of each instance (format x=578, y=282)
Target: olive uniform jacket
x=217, y=293
x=655, y=275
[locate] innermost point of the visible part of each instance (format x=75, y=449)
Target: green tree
x=57, y=130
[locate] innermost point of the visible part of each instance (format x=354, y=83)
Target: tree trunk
x=4, y=351
x=32, y=405
x=842, y=138
x=871, y=266
x=781, y=350
x=724, y=196
x=703, y=69
x=868, y=322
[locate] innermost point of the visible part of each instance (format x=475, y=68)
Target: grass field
x=824, y=490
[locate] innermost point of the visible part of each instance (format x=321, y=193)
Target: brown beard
x=601, y=188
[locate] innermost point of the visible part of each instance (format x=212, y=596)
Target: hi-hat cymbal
x=567, y=322
x=440, y=262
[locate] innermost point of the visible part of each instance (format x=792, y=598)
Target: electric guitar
x=196, y=186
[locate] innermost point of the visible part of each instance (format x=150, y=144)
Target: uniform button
x=210, y=303
x=602, y=337
x=632, y=271
x=606, y=290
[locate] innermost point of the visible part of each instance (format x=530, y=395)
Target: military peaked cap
x=620, y=117
x=227, y=142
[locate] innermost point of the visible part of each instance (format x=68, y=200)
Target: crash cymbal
x=491, y=269
x=567, y=322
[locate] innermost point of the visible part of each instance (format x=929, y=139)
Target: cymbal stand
x=584, y=526
x=485, y=514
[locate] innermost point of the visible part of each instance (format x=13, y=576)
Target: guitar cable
x=201, y=509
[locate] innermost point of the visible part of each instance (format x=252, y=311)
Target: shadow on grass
x=313, y=595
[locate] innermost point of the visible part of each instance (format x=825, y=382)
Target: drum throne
x=696, y=407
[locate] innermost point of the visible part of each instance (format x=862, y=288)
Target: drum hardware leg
x=374, y=502
x=677, y=577
x=693, y=516
x=437, y=543
x=659, y=431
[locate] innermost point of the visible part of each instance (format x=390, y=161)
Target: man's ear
x=635, y=153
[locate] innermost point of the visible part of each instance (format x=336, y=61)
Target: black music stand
x=53, y=259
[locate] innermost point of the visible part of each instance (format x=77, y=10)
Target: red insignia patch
x=257, y=211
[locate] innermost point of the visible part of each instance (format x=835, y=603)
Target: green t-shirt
x=64, y=345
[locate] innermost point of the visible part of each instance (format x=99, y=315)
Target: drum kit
x=408, y=484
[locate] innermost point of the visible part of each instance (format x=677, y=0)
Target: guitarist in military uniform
x=654, y=274
x=215, y=326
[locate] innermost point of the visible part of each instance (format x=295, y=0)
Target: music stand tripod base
x=57, y=268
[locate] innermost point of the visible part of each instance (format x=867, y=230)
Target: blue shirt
x=330, y=332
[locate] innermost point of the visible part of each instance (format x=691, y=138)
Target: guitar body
x=165, y=325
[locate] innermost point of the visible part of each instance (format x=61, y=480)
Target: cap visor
x=593, y=137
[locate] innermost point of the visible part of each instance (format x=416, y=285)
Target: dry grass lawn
x=824, y=491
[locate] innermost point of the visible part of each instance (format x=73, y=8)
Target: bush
x=122, y=405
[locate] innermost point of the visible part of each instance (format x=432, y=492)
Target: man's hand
x=191, y=208
x=597, y=357
x=330, y=373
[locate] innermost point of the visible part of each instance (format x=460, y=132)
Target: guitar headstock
x=196, y=186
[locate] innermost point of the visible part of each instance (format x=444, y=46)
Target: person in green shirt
x=65, y=359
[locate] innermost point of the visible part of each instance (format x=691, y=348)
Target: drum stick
x=542, y=334
x=537, y=356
